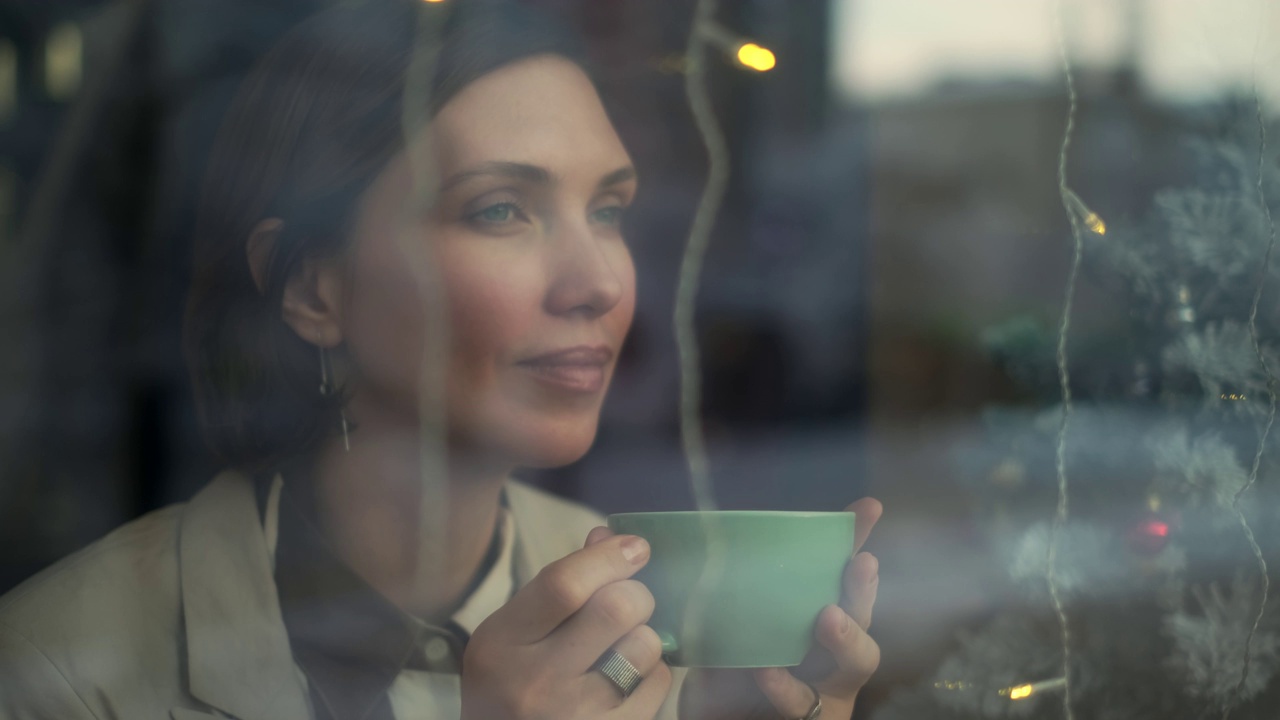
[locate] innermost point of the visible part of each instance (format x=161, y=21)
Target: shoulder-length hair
x=310, y=129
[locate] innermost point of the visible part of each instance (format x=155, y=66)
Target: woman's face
x=526, y=240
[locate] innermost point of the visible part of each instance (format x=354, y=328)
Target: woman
x=360, y=232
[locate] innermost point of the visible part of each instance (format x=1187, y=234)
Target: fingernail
x=846, y=624
x=635, y=549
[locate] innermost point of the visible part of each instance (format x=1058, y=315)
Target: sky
x=1186, y=49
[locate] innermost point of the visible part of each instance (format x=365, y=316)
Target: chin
x=553, y=447
x=545, y=457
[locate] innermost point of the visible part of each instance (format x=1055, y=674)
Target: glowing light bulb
x=1155, y=528
x=1087, y=217
x=1026, y=690
x=757, y=58
x=1094, y=223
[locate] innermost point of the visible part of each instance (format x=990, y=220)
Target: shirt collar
x=348, y=638
x=498, y=585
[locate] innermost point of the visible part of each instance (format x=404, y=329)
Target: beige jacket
x=175, y=615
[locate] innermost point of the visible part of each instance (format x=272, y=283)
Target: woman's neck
x=376, y=509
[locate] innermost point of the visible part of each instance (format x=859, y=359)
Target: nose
x=585, y=272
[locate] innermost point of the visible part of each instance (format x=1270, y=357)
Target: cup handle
x=669, y=644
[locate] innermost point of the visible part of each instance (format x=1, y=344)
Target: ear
x=312, y=301
x=262, y=239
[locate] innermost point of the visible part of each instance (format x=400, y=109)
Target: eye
x=611, y=215
x=497, y=213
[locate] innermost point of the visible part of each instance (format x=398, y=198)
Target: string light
x=757, y=58
x=747, y=53
x=953, y=685
x=1094, y=223
x=1026, y=690
x=1232, y=396
x=1184, y=314
x=1087, y=217
x=1156, y=528
x=1016, y=692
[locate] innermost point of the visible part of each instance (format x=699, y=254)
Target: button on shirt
x=360, y=656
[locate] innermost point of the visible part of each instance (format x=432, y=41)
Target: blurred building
x=968, y=231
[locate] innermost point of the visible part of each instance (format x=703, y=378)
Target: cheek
x=496, y=314
x=494, y=304
x=385, y=321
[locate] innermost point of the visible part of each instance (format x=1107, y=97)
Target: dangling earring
x=326, y=389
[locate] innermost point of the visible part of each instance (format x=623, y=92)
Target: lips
x=578, y=369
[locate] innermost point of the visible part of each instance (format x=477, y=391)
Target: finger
x=788, y=695
x=856, y=655
x=868, y=511
x=648, y=696
x=640, y=647
x=596, y=535
x=564, y=586
x=861, y=581
x=614, y=611
x=720, y=693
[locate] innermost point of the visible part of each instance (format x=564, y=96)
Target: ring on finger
x=619, y=671
x=815, y=712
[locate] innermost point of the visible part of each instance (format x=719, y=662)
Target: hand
x=533, y=657
x=838, y=665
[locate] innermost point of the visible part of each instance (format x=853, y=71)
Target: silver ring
x=816, y=711
x=620, y=672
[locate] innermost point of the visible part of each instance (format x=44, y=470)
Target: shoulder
x=45, y=690
x=106, y=575
x=106, y=629
x=70, y=626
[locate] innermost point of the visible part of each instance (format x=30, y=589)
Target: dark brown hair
x=311, y=128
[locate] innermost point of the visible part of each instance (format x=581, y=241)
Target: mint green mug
x=737, y=588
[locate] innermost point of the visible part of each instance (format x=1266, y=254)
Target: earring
x=326, y=389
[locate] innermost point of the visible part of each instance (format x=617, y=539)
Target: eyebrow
x=530, y=174
x=618, y=176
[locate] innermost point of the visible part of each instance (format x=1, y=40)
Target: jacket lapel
x=238, y=655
